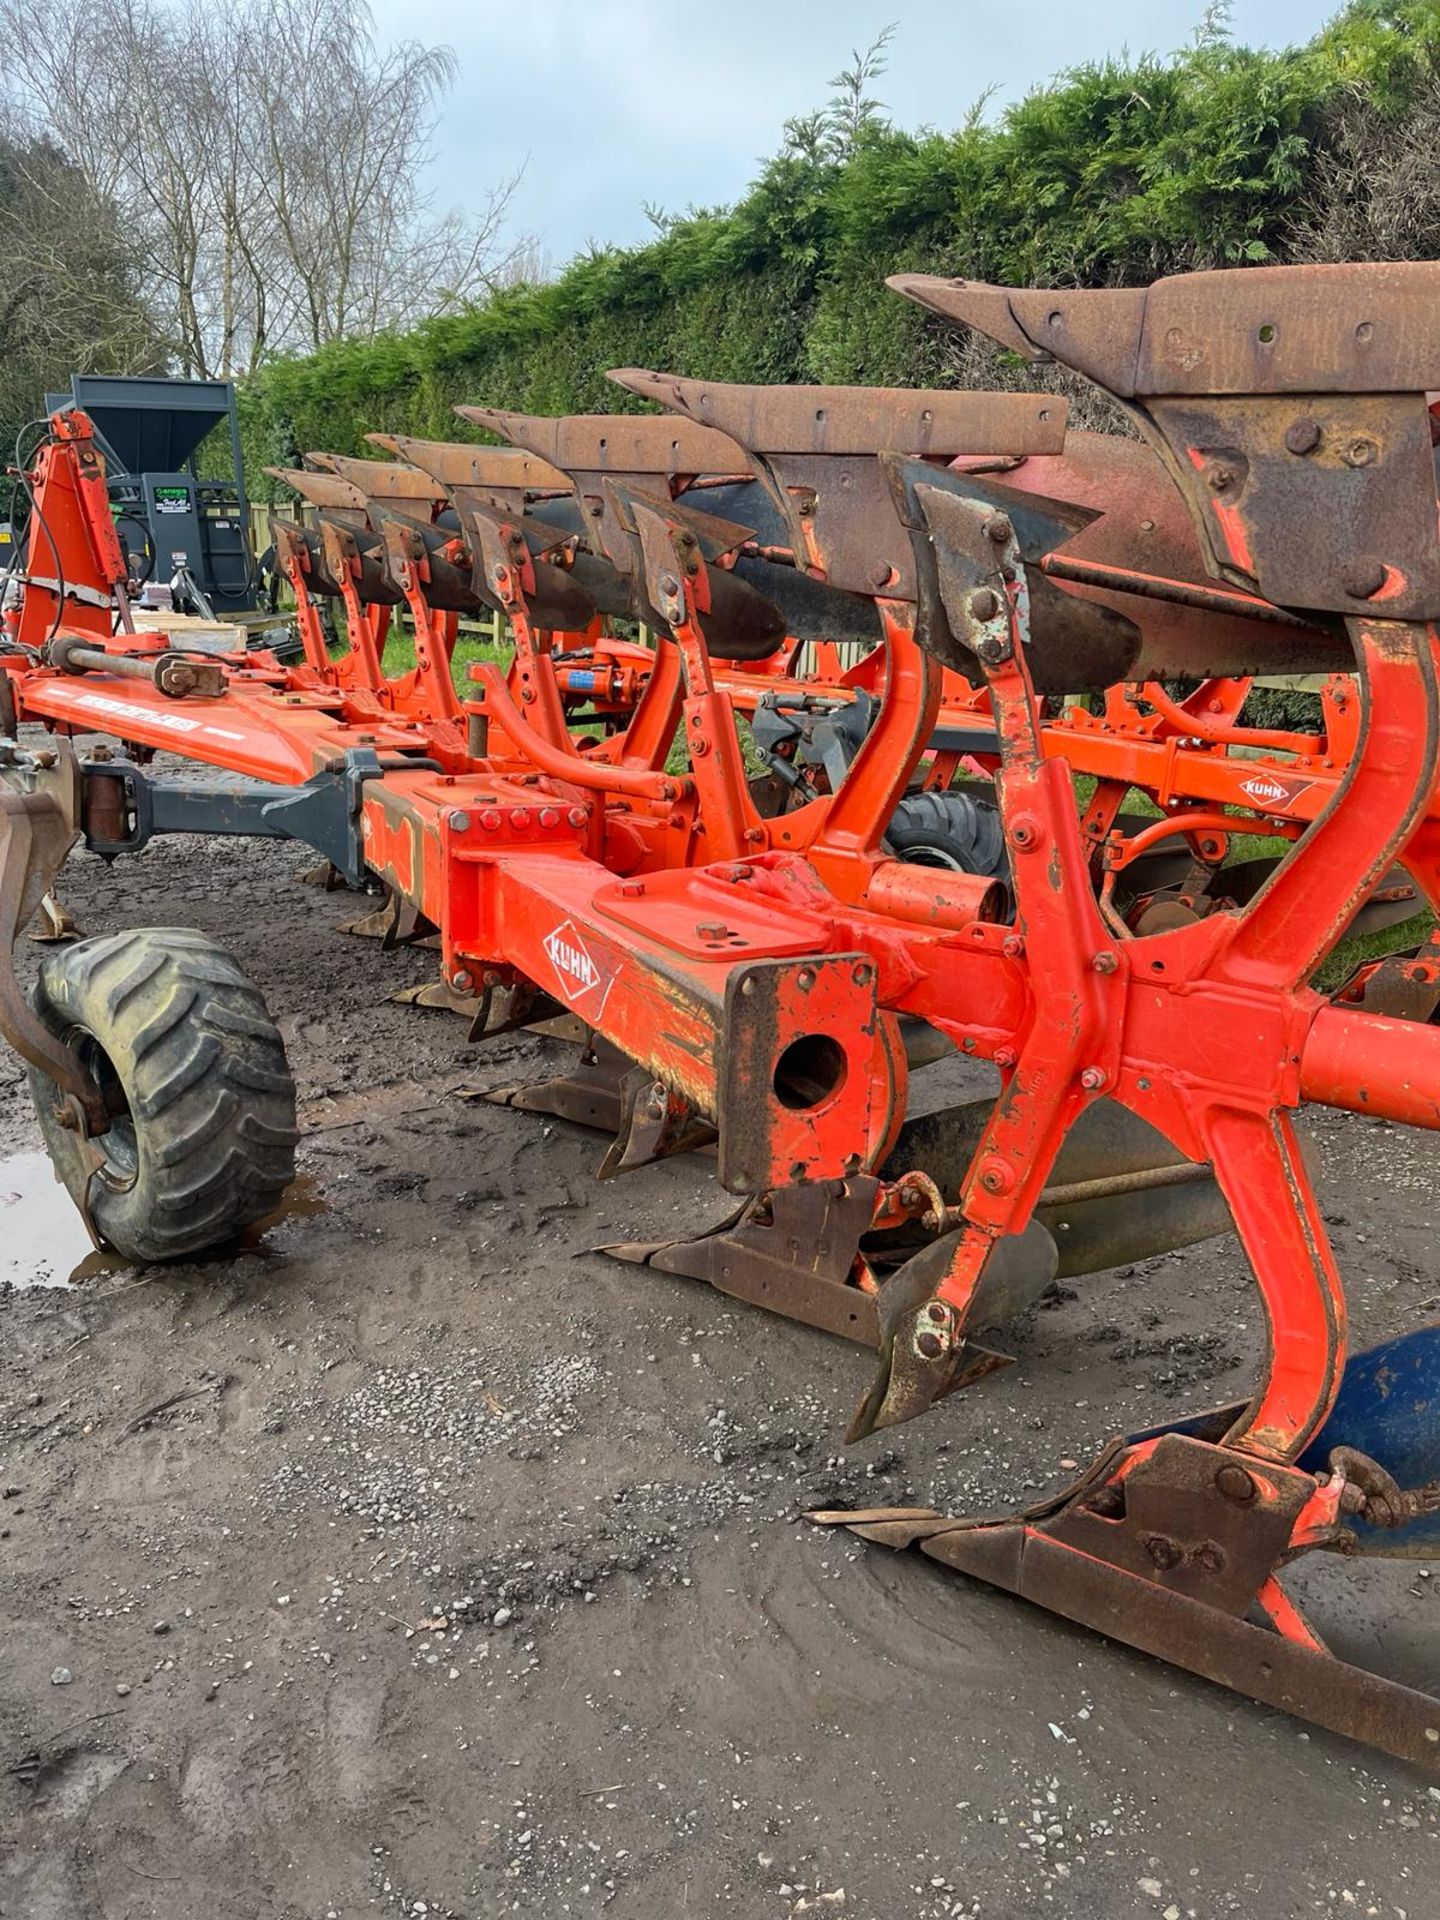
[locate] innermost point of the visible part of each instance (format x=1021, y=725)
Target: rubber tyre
x=193, y=1070
x=952, y=830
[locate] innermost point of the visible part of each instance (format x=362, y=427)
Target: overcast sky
x=611, y=103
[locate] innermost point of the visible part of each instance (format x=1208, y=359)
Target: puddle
x=43, y=1242
x=301, y=1199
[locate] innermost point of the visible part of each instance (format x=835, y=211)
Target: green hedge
x=1111, y=174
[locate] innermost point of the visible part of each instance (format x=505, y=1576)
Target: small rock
x=1152, y=1887
x=61, y=1677
x=503, y=1617
x=161, y=1626
x=122, y=1689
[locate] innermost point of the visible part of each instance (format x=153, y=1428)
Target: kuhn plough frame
x=768, y=977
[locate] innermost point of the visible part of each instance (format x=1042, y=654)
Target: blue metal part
x=1389, y=1408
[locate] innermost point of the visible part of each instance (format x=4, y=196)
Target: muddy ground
x=419, y=1561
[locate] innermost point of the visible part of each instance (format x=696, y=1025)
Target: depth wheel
x=951, y=830
x=193, y=1073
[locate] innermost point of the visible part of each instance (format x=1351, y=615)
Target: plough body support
x=765, y=974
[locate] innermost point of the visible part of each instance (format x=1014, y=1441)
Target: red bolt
x=996, y=1177
x=577, y=816
x=549, y=817
x=632, y=889
x=1013, y=946
x=1105, y=962
x=520, y=818
x=1006, y=1057
x=490, y=820
x=1093, y=1079
x=1025, y=832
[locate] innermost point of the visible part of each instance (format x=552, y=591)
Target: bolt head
x=459, y=821
x=577, y=816
x=549, y=816
x=1093, y=1079
x=1105, y=962
x=1013, y=946
x=1005, y=1057
x=929, y=1345
x=999, y=528
x=491, y=820
x=1220, y=478
x=1364, y=579
x=983, y=604
x=462, y=980
x=1361, y=453
x=1235, y=1484
x=1302, y=436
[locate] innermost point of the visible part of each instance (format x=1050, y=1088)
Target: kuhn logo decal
x=574, y=964
x=1265, y=789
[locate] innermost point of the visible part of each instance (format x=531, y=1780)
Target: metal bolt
x=1365, y=579
x=577, y=816
x=984, y=604
x=1302, y=436
x=632, y=889
x=999, y=529
x=1212, y=1557
x=929, y=1345
x=996, y=1177
x=1361, y=453
x=491, y=820
x=1105, y=962
x=549, y=816
x=1005, y=1057
x=1164, y=1552
x=1093, y=1079
x=669, y=585
x=1024, y=832
x=938, y=1312
x=1219, y=478
x=520, y=818
x=1235, y=1484
x=462, y=980
x=1013, y=946
x=459, y=821
x=805, y=979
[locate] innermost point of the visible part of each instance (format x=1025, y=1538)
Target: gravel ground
x=418, y=1560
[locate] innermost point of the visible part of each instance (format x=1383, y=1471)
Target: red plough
x=752, y=962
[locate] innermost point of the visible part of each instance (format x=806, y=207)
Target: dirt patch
x=419, y=1561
